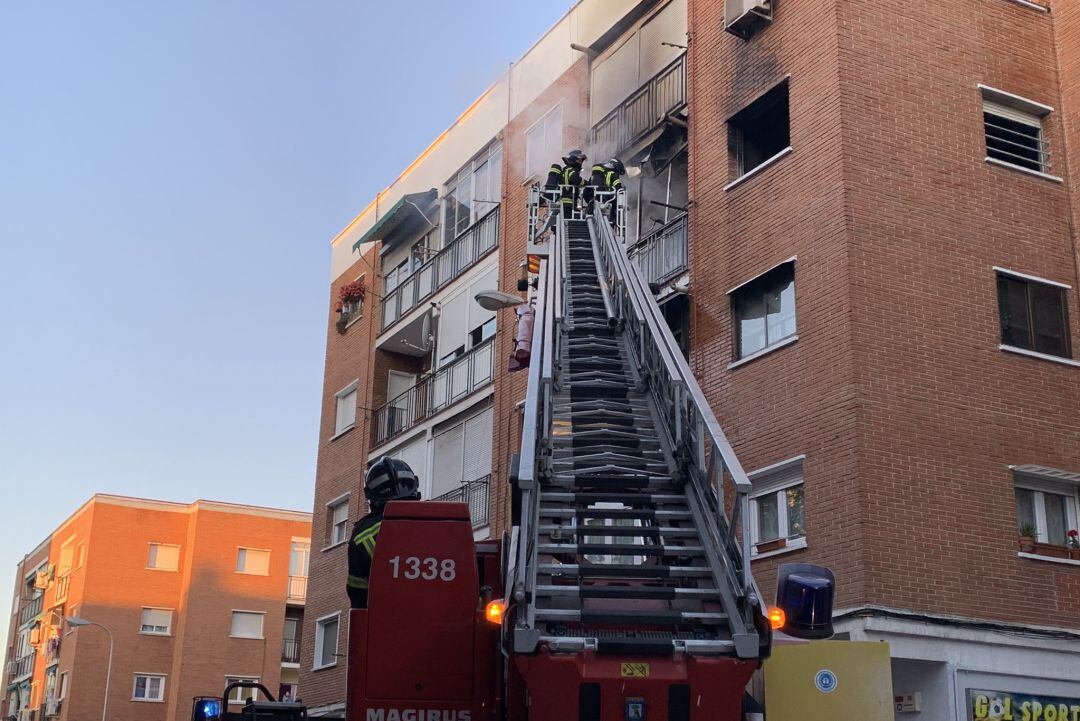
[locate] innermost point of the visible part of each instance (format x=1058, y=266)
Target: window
x=72, y=613
x=326, y=641
x=247, y=624
x=148, y=687
x=163, y=557
x=346, y=408
x=242, y=694
x=776, y=507
x=543, y=143
x=481, y=333
x=1045, y=503
x=253, y=561
x=80, y=554
x=64, y=679
x=760, y=131
x=299, y=558
x=1014, y=131
x=473, y=192
x=67, y=558
x=156, y=621
x=338, y=515
x=1034, y=314
x=764, y=310
x=396, y=276
x=451, y=357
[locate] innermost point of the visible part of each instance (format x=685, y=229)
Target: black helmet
x=390, y=479
x=616, y=165
x=575, y=157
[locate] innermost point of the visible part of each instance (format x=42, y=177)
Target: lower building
x=143, y=605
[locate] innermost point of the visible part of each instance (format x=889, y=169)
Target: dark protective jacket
x=604, y=178
x=565, y=175
x=361, y=551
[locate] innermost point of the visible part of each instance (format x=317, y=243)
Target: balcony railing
x=31, y=610
x=474, y=493
x=662, y=95
x=662, y=254
x=297, y=588
x=62, y=584
x=435, y=392
x=22, y=666
x=290, y=650
x=461, y=254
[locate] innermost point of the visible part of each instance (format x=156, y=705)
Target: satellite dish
x=497, y=300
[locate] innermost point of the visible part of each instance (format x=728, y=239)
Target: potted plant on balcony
x=350, y=300
x=1074, y=544
x=774, y=544
x=1028, y=534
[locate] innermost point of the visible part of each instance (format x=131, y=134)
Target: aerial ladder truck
x=623, y=591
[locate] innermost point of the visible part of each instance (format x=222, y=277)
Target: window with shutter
x=156, y=621
x=247, y=624
x=163, y=557
x=253, y=561
x=477, y=447
x=447, y=462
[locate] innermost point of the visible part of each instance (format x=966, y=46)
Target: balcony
x=474, y=493
x=61, y=591
x=646, y=107
x=662, y=254
x=297, y=589
x=290, y=650
x=461, y=254
x=439, y=390
x=31, y=610
x=22, y=666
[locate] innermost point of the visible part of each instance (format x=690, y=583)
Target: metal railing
x=62, y=585
x=660, y=96
x=434, y=392
x=31, y=610
x=461, y=254
x=474, y=493
x=663, y=253
x=1029, y=150
x=297, y=588
x=290, y=650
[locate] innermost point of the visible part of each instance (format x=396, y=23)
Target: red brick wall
x=908, y=413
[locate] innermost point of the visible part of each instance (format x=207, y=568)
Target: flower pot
x=1051, y=550
x=774, y=545
x=1027, y=544
x=1074, y=554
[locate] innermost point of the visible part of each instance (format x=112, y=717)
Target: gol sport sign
x=1008, y=706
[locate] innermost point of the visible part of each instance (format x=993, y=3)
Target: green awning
x=401, y=211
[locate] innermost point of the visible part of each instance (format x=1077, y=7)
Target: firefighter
x=606, y=178
x=568, y=176
x=388, y=479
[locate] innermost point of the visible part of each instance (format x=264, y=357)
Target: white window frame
x=530, y=172
x=342, y=500
x=778, y=344
x=262, y=626
x=163, y=545
x=1031, y=482
x=247, y=549
x=62, y=682
x=493, y=148
x=340, y=430
x=168, y=629
x=240, y=677
x=320, y=639
x=774, y=480
x=1022, y=110
x=147, y=699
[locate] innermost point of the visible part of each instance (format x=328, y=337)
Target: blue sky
x=170, y=177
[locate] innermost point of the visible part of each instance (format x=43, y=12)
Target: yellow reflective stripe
x=369, y=545
x=367, y=533
x=356, y=582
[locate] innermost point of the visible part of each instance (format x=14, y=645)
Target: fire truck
x=623, y=591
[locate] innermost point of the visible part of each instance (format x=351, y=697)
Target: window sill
x=323, y=667
x=1040, y=356
x=1048, y=559
x=289, y=664
x=332, y=546
x=764, y=351
x=249, y=573
x=165, y=570
x=757, y=169
x=340, y=433
x=795, y=544
x=248, y=638
x=148, y=700
x=1022, y=169
x=152, y=633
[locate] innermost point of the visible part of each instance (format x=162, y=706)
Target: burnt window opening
x=764, y=311
x=760, y=131
x=677, y=314
x=1034, y=316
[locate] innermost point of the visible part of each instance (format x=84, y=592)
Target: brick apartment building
x=192, y=594
x=860, y=218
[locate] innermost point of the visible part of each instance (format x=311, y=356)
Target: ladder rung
x=619, y=549
x=615, y=570
x=653, y=618
x=635, y=592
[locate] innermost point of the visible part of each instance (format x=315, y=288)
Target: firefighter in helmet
x=606, y=178
x=388, y=479
x=568, y=177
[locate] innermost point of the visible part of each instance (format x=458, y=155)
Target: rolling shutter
x=446, y=467
x=477, y=451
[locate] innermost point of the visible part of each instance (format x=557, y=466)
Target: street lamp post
x=76, y=622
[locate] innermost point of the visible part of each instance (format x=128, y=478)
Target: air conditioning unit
x=744, y=17
x=52, y=707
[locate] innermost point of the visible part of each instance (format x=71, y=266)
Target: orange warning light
x=777, y=617
x=494, y=611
